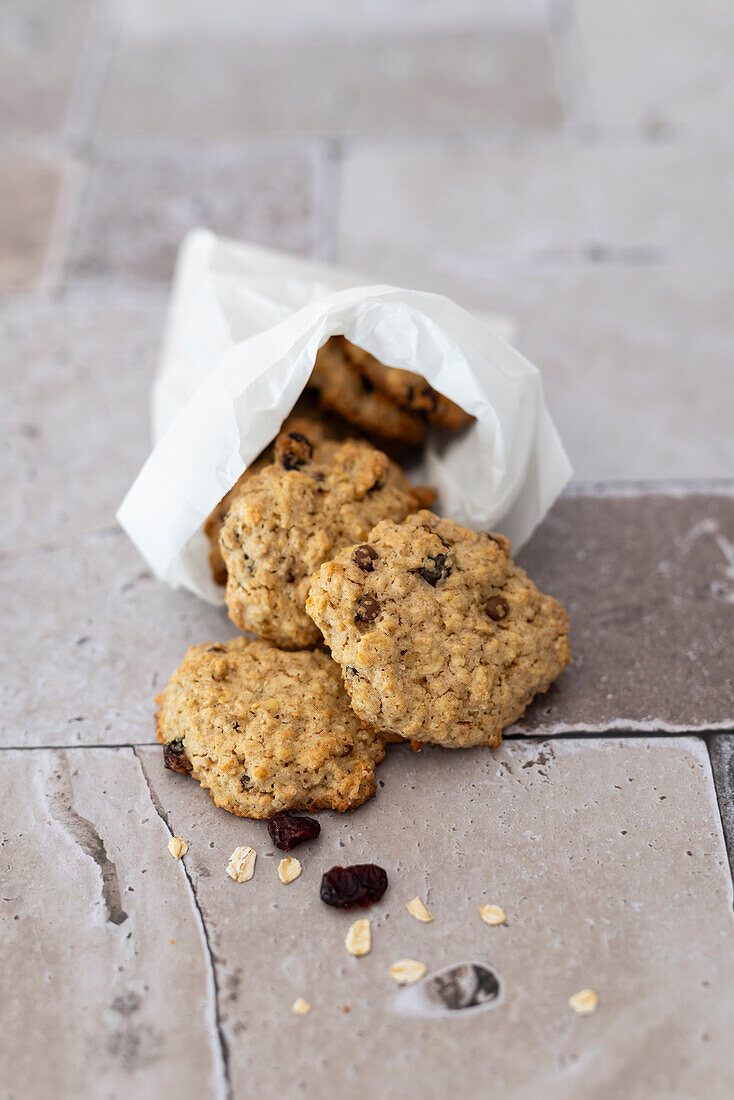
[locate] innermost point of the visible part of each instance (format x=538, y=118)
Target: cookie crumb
x=241, y=866
x=492, y=914
x=359, y=938
x=177, y=847
x=300, y=1007
x=407, y=971
x=584, y=1002
x=173, y=939
x=289, y=869
x=417, y=909
x=346, y=1008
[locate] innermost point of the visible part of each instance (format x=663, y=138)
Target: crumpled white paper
x=243, y=329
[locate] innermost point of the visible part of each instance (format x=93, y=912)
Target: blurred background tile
x=540, y=202
x=40, y=45
x=74, y=417
x=255, y=83
x=32, y=209
x=641, y=60
x=135, y=211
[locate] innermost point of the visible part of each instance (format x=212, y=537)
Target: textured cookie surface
x=410, y=390
x=441, y=637
x=266, y=731
x=317, y=497
x=343, y=389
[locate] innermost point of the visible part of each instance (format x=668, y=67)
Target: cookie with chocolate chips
x=315, y=498
x=266, y=731
x=342, y=388
x=443, y=638
x=409, y=390
x=294, y=426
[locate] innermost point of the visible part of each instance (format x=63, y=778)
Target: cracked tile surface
x=99, y=1000
x=616, y=866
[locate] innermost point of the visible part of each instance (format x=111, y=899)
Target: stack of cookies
x=375, y=620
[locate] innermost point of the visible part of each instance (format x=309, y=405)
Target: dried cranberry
x=437, y=569
x=286, y=831
x=175, y=758
x=349, y=887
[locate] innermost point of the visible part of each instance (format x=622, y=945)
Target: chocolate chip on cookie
x=293, y=450
x=365, y=557
x=436, y=569
x=496, y=608
x=367, y=609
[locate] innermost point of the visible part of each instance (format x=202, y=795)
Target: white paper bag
x=243, y=329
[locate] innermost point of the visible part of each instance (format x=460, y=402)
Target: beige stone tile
x=639, y=58
x=40, y=47
x=136, y=213
x=539, y=202
x=608, y=860
x=76, y=375
x=703, y=115
x=94, y=638
x=97, y=999
x=636, y=361
x=141, y=19
x=32, y=205
x=329, y=84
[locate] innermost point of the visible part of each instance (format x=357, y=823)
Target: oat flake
x=359, y=938
x=177, y=847
x=492, y=914
x=241, y=866
x=407, y=971
x=300, y=1007
x=417, y=909
x=584, y=1002
x=289, y=869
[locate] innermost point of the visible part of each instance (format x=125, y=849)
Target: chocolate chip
x=436, y=569
x=497, y=608
x=175, y=758
x=367, y=610
x=293, y=450
x=364, y=556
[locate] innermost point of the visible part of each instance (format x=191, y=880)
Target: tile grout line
x=224, y=1082
x=612, y=733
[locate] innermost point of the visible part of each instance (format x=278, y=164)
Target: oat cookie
x=410, y=390
x=315, y=429
x=317, y=497
x=343, y=389
x=440, y=635
x=266, y=731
